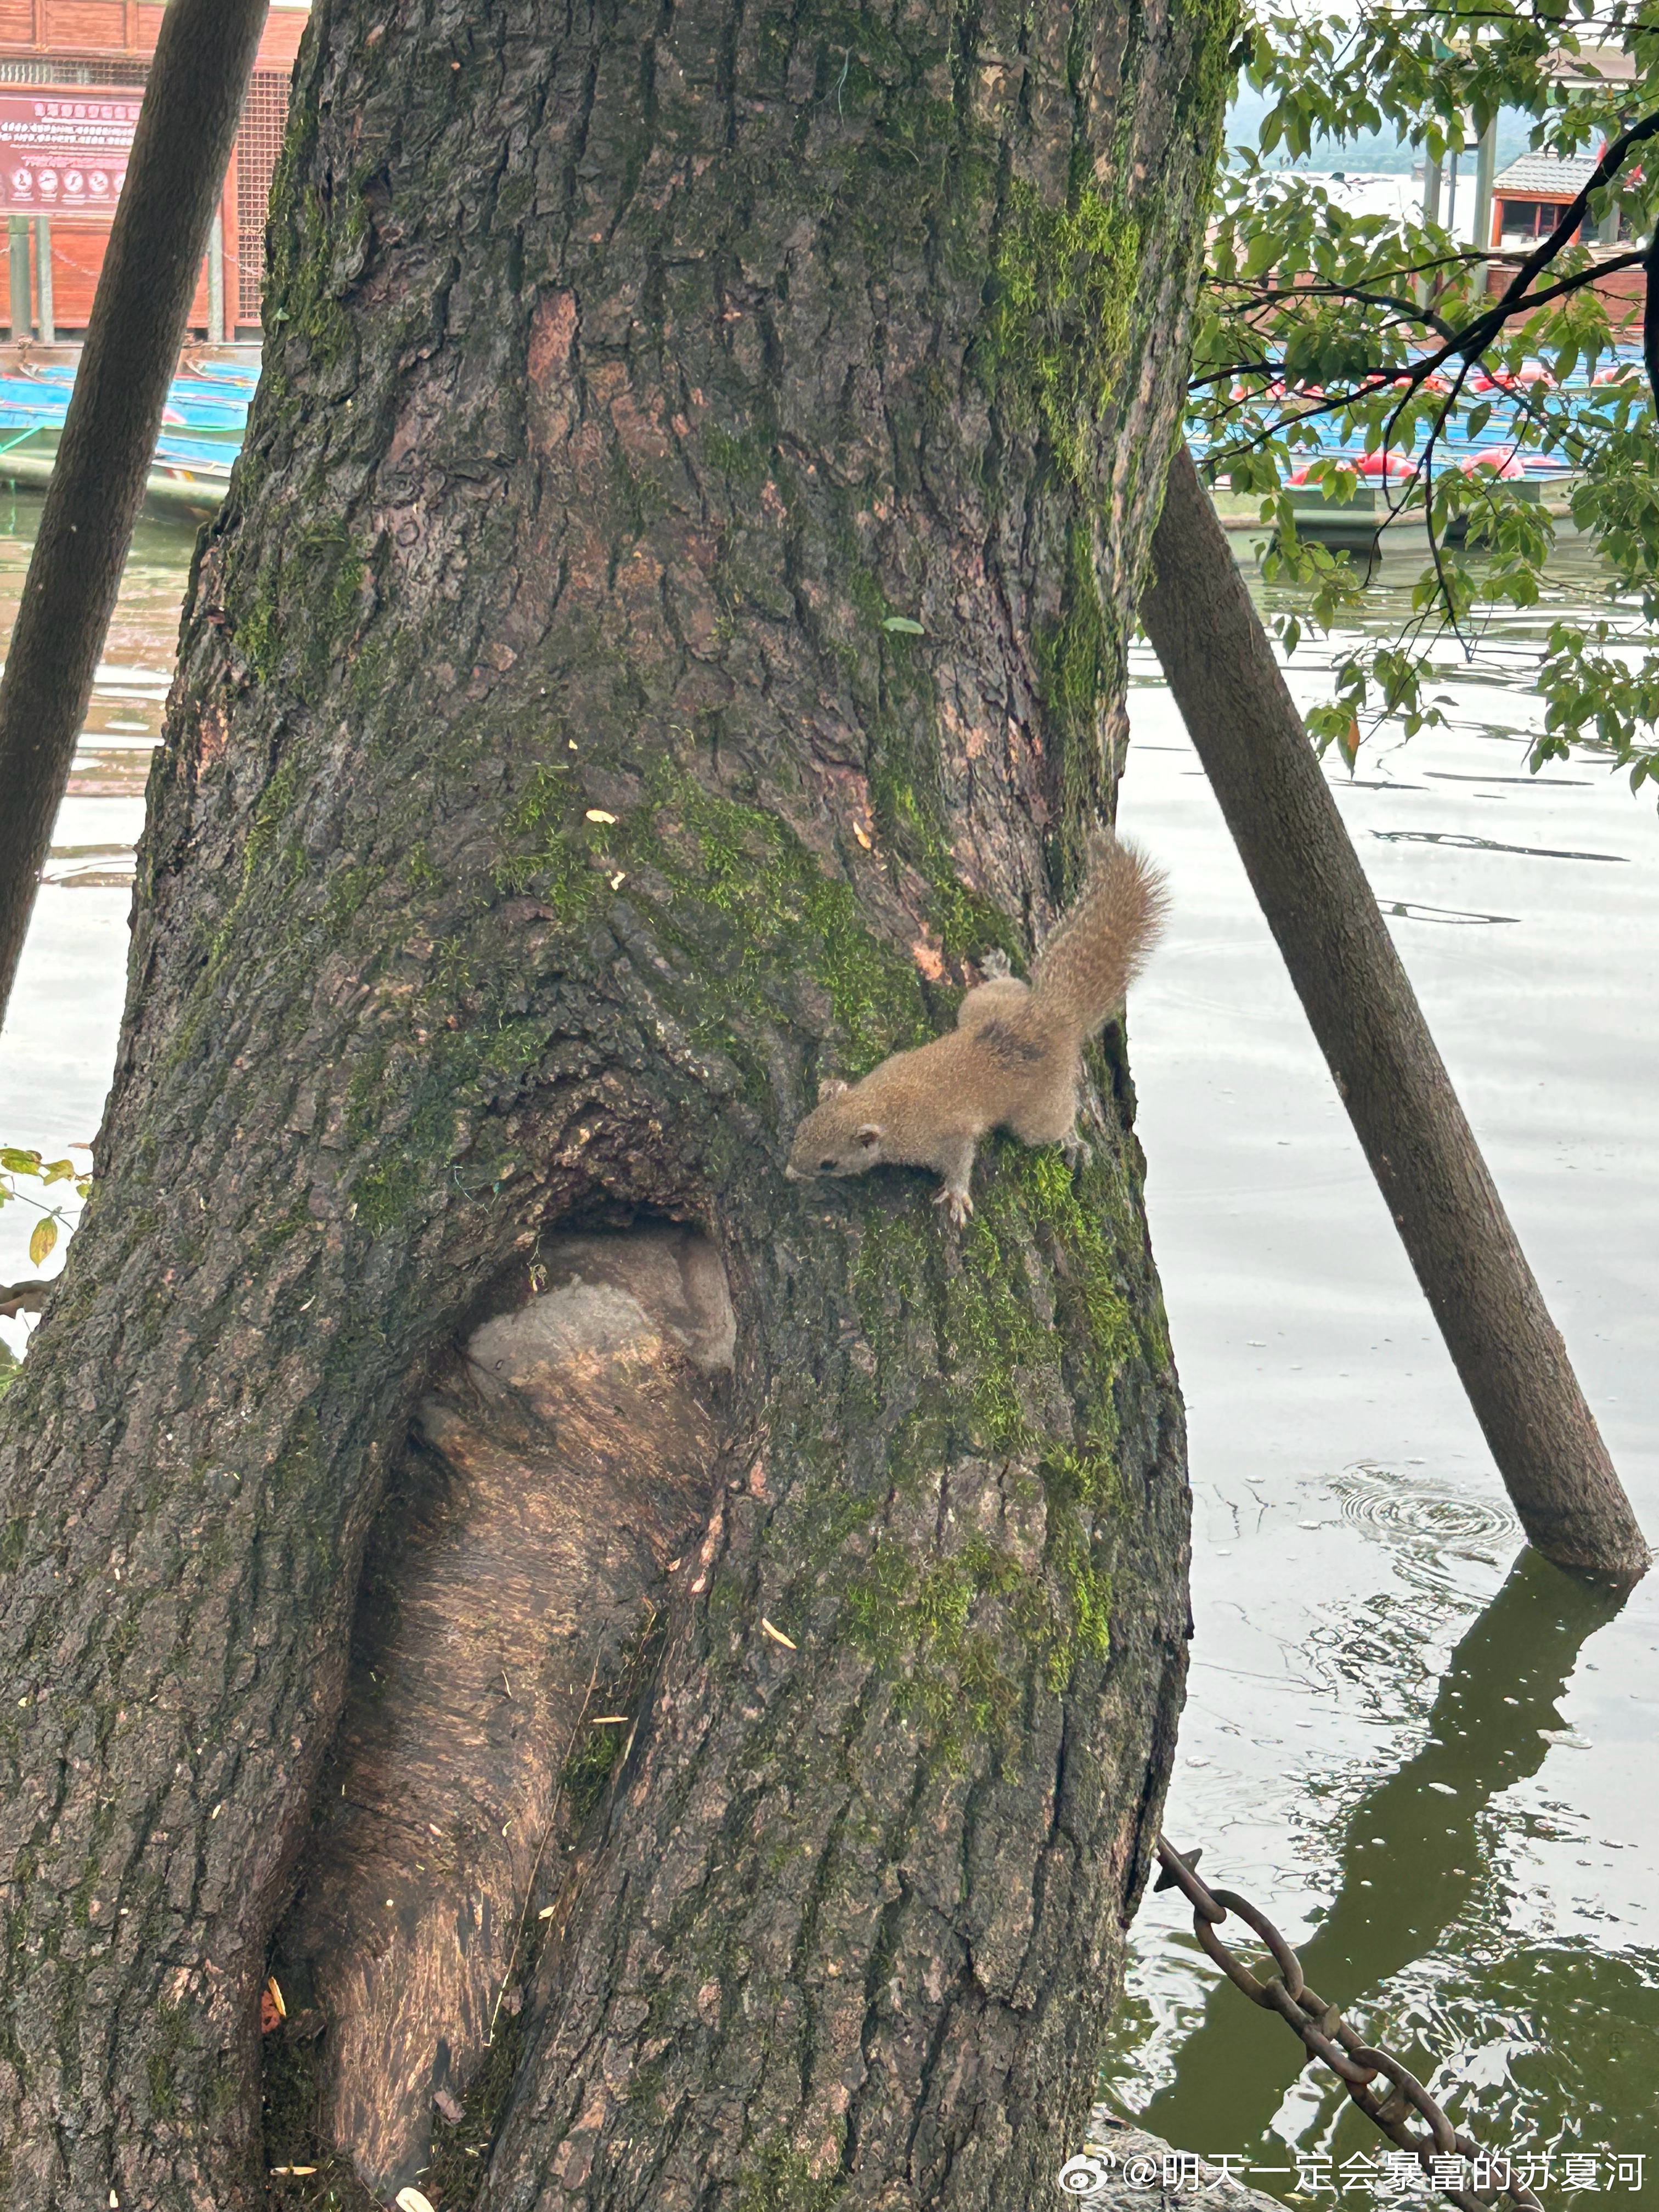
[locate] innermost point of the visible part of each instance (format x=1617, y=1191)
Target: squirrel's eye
x=824, y=1166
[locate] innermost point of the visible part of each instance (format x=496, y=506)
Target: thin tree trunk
x=186, y=127
x=1307, y=876
x=548, y=800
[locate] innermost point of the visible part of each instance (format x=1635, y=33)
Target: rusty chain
x=1327, y=2035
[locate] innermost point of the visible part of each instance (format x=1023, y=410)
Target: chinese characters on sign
x=1391, y=2173
x=63, y=153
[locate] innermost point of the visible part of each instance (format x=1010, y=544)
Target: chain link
x=1327, y=2035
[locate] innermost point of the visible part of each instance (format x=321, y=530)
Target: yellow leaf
x=411, y=2200
x=1348, y=744
x=599, y=814
x=776, y=1634
x=45, y=1237
x=276, y=1998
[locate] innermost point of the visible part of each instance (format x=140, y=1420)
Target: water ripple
x=1422, y=1516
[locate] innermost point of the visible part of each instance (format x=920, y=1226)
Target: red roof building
x=72, y=73
x=1529, y=199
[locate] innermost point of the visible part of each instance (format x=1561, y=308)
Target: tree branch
x=1455, y=347
x=1562, y=236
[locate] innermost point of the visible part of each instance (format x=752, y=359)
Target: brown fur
x=1014, y=1059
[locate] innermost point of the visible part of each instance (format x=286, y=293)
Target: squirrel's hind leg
x=1047, y=1113
x=1050, y=1118
x=1001, y=996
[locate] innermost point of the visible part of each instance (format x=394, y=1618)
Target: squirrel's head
x=837, y=1138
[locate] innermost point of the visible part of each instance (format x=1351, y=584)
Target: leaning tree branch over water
x=186, y=127
x=1359, y=1001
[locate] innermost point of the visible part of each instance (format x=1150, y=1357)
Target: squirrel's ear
x=831, y=1087
x=869, y=1133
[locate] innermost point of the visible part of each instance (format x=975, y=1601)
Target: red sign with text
x=64, y=151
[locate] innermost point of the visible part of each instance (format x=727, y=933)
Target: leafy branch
x=17, y=1167
x=1317, y=324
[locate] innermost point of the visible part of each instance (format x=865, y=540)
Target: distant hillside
x=1378, y=151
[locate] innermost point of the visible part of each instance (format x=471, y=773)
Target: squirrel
x=1013, y=1061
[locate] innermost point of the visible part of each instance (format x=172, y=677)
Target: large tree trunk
x=546, y=805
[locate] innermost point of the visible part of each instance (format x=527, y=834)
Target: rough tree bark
x=668, y=620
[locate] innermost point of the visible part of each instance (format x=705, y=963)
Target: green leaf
x=905, y=625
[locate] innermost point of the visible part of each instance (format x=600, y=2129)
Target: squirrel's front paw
x=956, y=1203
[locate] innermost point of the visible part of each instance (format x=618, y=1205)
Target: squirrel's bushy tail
x=1101, y=940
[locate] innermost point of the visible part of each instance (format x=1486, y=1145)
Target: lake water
x=1432, y=1763
x=59, y=1041
x=1428, y=1758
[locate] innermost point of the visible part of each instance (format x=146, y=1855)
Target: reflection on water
x=1414, y=910
x=1432, y=1766
x=1415, y=1850
x=1429, y=1760
x=1484, y=844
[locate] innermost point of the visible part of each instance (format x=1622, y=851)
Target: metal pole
x=22, y=298
x=1485, y=168
x=216, y=281
x=1451, y=192
x=1431, y=174
x=45, y=317
x=1425, y=285
x=186, y=126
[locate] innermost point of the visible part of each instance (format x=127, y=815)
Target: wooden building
x=1527, y=201
x=1529, y=197
x=72, y=73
